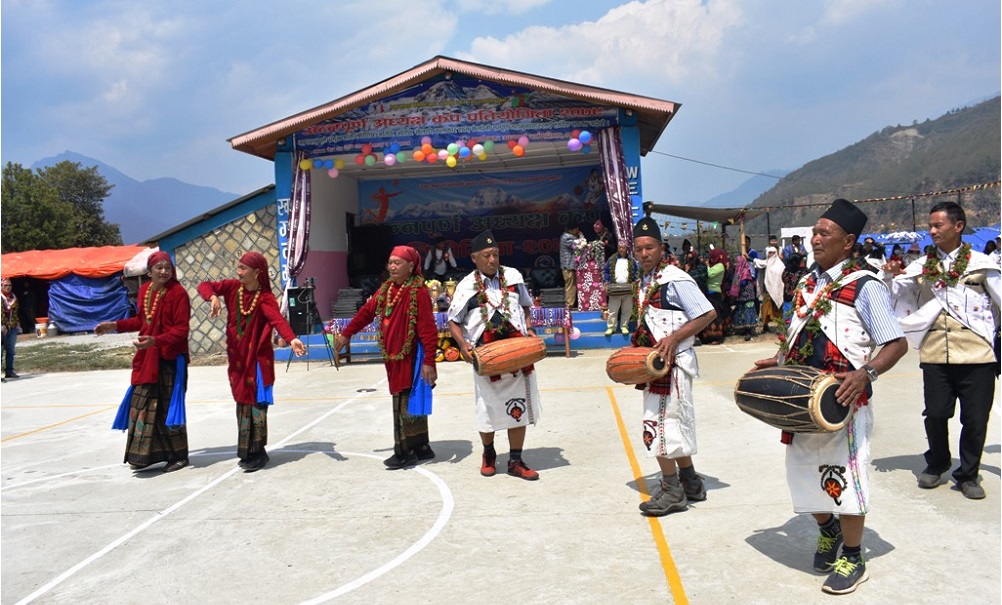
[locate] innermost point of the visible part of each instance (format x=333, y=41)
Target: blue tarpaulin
x=77, y=304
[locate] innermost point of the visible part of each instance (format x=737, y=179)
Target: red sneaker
x=489, y=466
x=517, y=468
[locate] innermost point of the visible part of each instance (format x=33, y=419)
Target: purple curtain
x=299, y=219
x=617, y=187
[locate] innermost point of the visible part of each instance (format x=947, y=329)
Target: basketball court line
x=444, y=515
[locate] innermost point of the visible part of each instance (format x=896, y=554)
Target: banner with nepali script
x=527, y=211
x=451, y=110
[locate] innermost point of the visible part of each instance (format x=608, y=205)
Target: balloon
x=575, y=333
x=558, y=338
x=443, y=153
x=418, y=155
x=523, y=141
x=390, y=159
x=518, y=151
x=470, y=142
x=452, y=149
x=318, y=164
x=464, y=152
x=332, y=173
x=478, y=149
x=425, y=140
x=512, y=143
x=586, y=149
x=339, y=163
x=450, y=161
x=482, y=156
x=401, y=157
x=370, y=160
x=584, y=137
x=575, y=134
x=426, y=148
x=431, y=157
x=360, y=159
x=574, y=145
x=394, y=148
x=366, y=149
x=305, y=164
x=488, y=146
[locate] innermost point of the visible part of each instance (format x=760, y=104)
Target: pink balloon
x=523, y=141
x=390, y=159
x=574, y=145
x=332, y=173
x=575, y=333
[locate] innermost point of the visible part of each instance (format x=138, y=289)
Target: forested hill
x=956, y=150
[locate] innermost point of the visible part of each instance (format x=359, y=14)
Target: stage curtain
x=617, y=188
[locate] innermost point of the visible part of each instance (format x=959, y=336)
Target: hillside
x=131, y=203
x=956, y=150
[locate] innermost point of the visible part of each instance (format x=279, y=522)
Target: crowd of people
x=843, y=315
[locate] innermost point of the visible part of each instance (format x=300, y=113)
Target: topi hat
x=484, y=240
x=845, y=214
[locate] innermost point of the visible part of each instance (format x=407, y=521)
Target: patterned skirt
x=409, y=432
x=252, y=430
x=149, y=439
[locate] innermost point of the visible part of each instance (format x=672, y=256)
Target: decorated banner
x=442, y=111
x=527, y=211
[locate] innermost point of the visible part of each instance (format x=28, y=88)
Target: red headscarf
x=717, y=256
x=158, y=257
x=256, y=260
x=408, y=254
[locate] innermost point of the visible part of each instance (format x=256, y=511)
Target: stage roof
x=710, y=215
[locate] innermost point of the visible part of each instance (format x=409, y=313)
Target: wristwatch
x=871, y=372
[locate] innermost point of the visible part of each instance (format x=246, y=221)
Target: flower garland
x=243, y=316
x=638, y=309
x=150, y=308
x=819, y=307
x=385, y=308
x=501, y=331
x=932, y=271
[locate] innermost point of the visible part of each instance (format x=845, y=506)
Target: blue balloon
x=394, y=148
x=464, y=152
x=584, y=137
x=586, y=149
x=318, y=164
x=328, y=164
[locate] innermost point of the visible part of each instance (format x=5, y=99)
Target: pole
x=699, y=239
x=768, y=225
x=913, y=216
x=744, y=247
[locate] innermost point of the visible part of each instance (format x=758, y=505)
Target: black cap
x=647, y=227
x=484, y=240
x=845, y=214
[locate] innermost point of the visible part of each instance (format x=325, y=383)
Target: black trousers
x=944, y=384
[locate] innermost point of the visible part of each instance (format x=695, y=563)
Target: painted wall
x=327, y=262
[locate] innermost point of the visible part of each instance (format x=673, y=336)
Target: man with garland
x=671, y=311
x=492, y=303
x=402, y=306
x=841, y=313
x=948, y=304
x=619, y=274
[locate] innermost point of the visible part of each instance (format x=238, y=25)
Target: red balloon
x=366, y=149
x=360, y=159
x=512, y=143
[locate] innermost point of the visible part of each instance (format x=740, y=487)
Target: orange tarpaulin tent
x=53, y=264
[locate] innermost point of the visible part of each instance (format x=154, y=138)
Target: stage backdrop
x=527, y=211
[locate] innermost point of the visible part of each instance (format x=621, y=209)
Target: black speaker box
x=302, y=303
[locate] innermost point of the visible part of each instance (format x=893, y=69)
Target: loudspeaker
x=301, y=304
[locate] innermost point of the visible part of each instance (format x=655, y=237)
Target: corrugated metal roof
x=653, y=114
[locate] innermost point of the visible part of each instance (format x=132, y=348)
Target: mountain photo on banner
x=143, y=209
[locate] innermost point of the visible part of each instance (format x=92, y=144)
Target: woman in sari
x=744, y=292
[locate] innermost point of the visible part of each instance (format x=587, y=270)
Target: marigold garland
x=932, y=271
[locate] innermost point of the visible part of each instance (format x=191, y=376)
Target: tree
x=86, y=190
x=59, y=207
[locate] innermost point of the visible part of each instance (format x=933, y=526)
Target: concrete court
x=324, y=522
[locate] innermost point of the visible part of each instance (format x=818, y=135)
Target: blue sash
x=122, y=415
x=419, y=403
x=264, y=393
x=176, y=415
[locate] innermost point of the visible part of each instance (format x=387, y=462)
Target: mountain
x=957, y=150
x=748, y=190
x=143, y=209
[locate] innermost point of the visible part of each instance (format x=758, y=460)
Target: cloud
x=842, y=12
x=662, y=40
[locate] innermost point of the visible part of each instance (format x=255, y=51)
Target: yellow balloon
x=482, y=156
x=339, y=164
x=305, y=164
x=451, y=161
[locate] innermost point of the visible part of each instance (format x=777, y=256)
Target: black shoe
x=928, y=479
x=424, y=452
x=694, y=489
x=395, y=462
x=827, y=552
x=971, y=489
x=848, y=573
x=139, y=467
x=668, y=497
x=256, y=463
x=11, y=375
x=176, y=465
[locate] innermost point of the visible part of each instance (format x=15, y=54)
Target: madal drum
x=798, y=399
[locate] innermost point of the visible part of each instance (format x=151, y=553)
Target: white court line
x=60, y=476
x=160, y=515
x=448, y=504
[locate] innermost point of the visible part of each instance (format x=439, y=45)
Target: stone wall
x=213, y=257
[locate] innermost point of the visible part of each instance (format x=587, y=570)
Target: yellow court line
x=58, y=423
x=671, y=572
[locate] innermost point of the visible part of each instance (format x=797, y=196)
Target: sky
x=155, y=89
